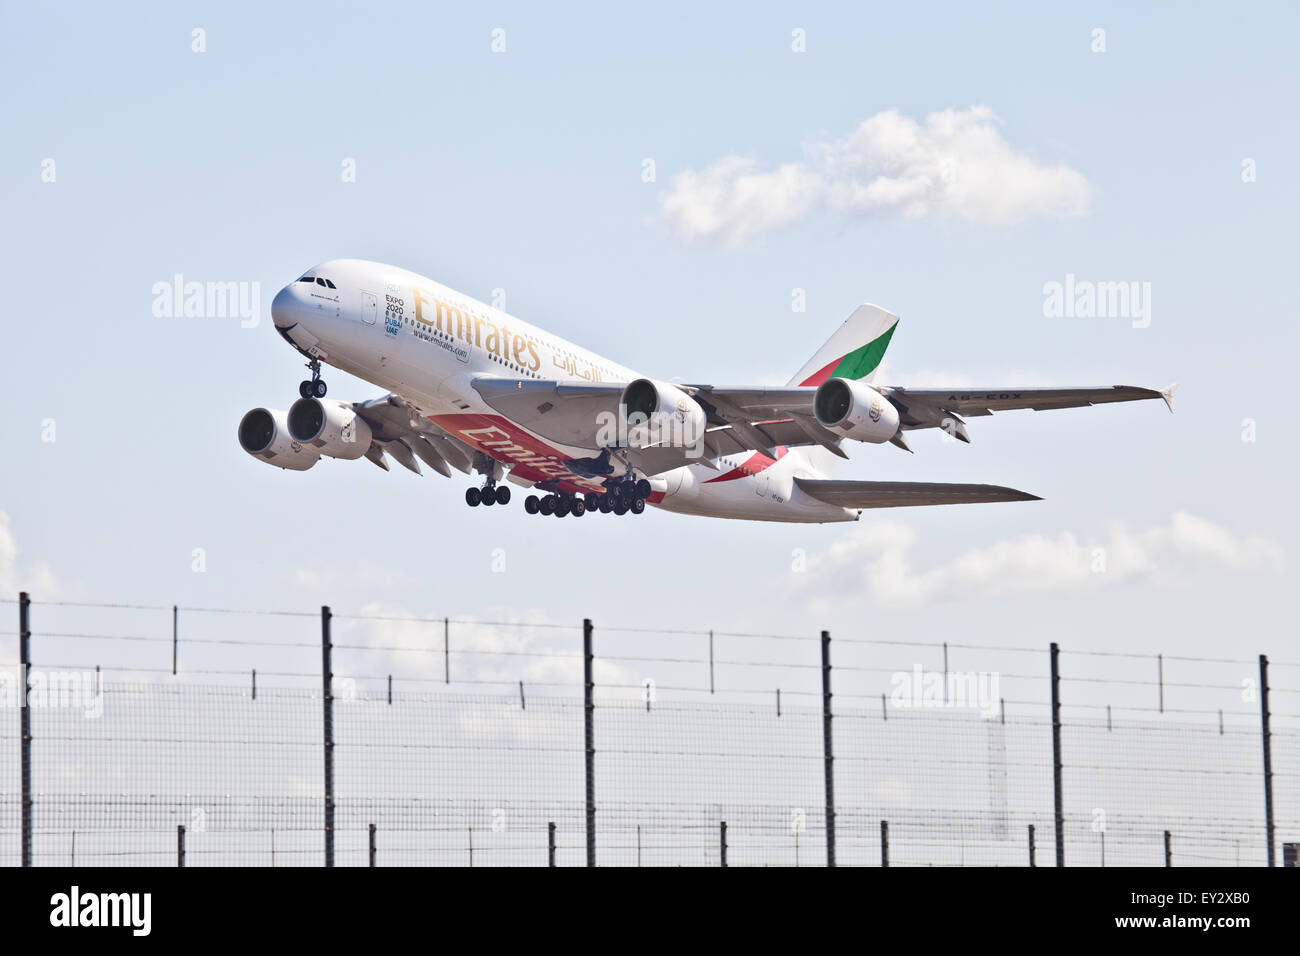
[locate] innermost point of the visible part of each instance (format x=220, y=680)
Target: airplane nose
x=284, y=308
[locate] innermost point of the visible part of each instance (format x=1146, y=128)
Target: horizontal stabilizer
x=901, y=494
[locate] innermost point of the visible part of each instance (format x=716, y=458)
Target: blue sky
x=522, y=171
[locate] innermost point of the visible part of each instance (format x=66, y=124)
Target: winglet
x=1168, y=395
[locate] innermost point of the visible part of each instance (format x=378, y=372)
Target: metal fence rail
x=535, y=744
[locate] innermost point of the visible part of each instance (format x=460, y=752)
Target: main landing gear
x=489, y=494
x=315, y=387
x=620, y=498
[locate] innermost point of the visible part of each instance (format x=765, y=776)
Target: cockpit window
x=320, y=281
x=330, y=284
x=307, y=279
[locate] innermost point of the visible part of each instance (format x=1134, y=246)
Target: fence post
x=588, y=713
x=1031, y=845
x=372, y=844
x=1059, y=821
x=944, y=689
x=25, y=721
x=1267, y=736
x=828, y=749
x=1169, y=856
x=884, y=843
x=710, y=661
x=175, y=638
x=180, y=845
x=722, y=841
x=327, y=695
x=550, y=844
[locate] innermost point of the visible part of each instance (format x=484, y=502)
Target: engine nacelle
x=855, y=409
x=662, y=414
x=264, y=434
x=331, y=428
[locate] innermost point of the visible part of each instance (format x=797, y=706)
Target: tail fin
x=854, y=351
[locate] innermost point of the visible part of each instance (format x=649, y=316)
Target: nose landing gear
x=315, y=387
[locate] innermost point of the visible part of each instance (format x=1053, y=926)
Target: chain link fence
x=464, y=743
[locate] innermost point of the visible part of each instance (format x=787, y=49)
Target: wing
x=564, y=412
x=570, y=413
x=755, y=416
x=902, y=494
x=739, y=420
x=920, y=405
x=400, y=431
x=986, y=401
x=761, y=418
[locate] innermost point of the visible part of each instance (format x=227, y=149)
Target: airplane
x=472, y=388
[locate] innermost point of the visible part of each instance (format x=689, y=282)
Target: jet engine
x=661, y=414
x=264, y=434
x=331, y=428
x=855, y=409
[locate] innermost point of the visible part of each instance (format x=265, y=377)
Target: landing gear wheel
x=643, y=489
x=591, y=501
x=531, y=504
x=579, y=507
x=489, y=496
x=604, y=503
x=620, y=507
x=315, y=386
x=473, y=496
x=503, y=496
x=547, y=505
x=637, y=506
x=562, y=507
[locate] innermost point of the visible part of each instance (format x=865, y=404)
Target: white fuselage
x=427, y=342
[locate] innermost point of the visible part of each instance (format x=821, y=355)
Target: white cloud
x=489, y=658
x=956, y=163
x=874, y=559
x=733, y=199
x=36, y=578
x=506, y=647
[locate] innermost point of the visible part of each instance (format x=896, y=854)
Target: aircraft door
x=369, y=308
